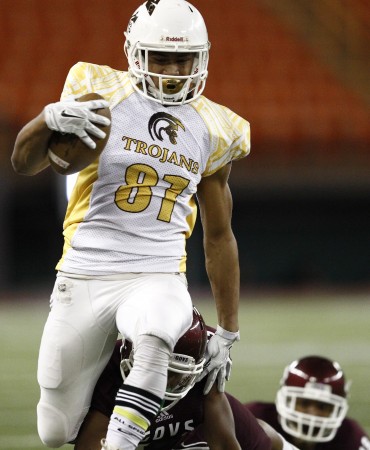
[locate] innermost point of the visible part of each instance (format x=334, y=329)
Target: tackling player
x=311, y=407
x=124, y=258
x=188, y=418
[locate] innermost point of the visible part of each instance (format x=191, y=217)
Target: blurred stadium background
x=299, y=72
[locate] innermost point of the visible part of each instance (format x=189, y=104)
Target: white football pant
x=80, y=333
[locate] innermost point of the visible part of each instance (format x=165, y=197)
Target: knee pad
x=52, y=426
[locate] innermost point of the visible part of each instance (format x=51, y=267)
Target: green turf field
x=275, y=329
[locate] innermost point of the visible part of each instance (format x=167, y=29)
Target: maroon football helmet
x=317, y=380
x=186, y=362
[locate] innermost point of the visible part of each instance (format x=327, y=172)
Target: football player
x=311, y=406
x=188, y=418
x=124, y=258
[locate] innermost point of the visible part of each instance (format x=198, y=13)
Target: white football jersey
x=133, y=209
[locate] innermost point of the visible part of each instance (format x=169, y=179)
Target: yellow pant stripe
x=137, y=420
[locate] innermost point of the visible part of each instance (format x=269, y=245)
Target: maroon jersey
x=350, y=436
x=181, y=424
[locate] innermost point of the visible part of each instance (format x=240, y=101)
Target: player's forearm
x=30, y=150
x=222, y=263
x=219, y=425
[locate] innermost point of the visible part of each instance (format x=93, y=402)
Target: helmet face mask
x=183, y=371
x=172, y=26
x=186, y=362
x=311, y=402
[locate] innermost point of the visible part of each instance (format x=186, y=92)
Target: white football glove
x=77, y=118
x=218, y=363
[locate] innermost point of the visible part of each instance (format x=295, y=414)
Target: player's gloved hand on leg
x=218, y=363
x=77, y=118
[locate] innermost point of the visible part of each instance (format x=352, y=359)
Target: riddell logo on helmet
x=175, y=39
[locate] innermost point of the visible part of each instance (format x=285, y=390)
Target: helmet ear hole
x=311, y=402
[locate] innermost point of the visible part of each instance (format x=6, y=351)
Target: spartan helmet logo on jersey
x=171, y=128
x=311, y=402
x=186, y=362
x=173, y=26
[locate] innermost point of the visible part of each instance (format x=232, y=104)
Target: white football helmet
x=316, y=379
x=186, y=362
x=167, y=26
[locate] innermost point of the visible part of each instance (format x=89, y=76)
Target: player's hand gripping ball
x=72, y=151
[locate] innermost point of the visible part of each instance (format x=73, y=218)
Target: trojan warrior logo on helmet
x=171, y=129
x=150, y=5
x=132, y=21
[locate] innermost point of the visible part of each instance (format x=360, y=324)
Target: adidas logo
x=163, y=415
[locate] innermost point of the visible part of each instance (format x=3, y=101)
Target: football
x=68, y=154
